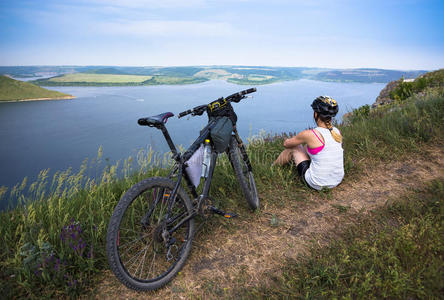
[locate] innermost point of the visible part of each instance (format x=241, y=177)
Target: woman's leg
x=283, y=158
x=298, y=154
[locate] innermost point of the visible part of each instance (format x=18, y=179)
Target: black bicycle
x=152, y=227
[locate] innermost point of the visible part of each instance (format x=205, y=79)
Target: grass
x=53, y=242
x=395, y=130
x=396, y=253
x=254, y=80
x=11, y=89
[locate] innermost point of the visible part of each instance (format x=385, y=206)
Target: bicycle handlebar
x=240, y=94
x=199, y=110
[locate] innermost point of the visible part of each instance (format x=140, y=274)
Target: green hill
x=11, y=89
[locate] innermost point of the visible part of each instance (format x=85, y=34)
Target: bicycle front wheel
x=144, y=251
x=240, y=161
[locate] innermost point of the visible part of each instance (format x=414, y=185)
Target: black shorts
x=302, y=168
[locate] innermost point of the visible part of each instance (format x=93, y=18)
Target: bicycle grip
x=252, y=90
x=184, y=113
x=239, y=95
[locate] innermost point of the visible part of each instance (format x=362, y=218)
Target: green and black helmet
x=326, y=106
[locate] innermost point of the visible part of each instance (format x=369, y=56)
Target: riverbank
x=39, y=99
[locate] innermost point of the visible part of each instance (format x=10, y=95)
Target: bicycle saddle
x=155, y=120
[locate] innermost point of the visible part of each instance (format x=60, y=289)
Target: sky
x=390, y=34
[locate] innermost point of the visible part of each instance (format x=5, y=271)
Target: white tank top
x=327, y=166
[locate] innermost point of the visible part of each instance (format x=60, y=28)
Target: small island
x=12, y=90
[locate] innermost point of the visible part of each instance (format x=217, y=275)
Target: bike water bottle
x=206, y=159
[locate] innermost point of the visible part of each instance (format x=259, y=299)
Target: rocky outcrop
x=384, y=95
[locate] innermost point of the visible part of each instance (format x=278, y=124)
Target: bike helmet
x=326, y=106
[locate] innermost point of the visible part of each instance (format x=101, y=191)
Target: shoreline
x=39, y=99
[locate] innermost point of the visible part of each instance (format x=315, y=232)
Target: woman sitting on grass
x=318, y=152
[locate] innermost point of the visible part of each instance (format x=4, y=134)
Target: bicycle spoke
x=152, y=263
x=142, y=262
x=140, y=251
x=133, y=242
x=133, y=260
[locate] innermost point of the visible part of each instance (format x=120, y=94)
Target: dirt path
x=241, y=252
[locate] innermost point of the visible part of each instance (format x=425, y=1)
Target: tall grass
x=388, y=133
x=433, y=80
x=53, y=242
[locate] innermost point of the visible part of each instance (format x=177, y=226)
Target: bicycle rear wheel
x=141, y=252
x=240, y=162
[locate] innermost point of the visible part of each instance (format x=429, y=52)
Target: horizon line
x=217, y=65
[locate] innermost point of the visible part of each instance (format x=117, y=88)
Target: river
x=61, y=134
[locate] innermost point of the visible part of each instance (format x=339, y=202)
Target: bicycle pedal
x=219, y=212
x=230, y=215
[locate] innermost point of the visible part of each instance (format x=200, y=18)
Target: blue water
x=61, y=134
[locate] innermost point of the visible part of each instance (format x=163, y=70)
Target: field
x=100, y=78
x=94, y=79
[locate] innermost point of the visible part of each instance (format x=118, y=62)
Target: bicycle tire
x=138, y=205
x=244, y=176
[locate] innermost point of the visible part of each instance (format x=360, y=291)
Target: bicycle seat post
x=168, y=139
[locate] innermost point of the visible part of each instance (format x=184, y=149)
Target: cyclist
x=317, y=152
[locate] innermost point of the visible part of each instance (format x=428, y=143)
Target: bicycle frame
x=180, y=169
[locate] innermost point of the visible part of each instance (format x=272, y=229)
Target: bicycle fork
x=242, y=149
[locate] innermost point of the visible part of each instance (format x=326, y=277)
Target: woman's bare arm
x=301, y=138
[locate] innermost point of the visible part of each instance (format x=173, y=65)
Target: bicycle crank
x=206, y=208
x=222, y=213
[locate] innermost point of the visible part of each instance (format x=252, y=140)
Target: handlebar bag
x=221, y=133
x=222, y=108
